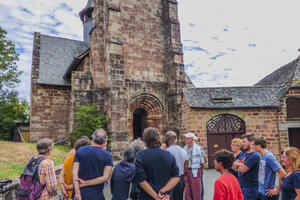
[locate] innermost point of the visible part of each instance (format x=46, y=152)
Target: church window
x=293, y=107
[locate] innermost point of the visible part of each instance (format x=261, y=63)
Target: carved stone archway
x=150, y=108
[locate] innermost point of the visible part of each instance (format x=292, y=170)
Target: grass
x=14, y=156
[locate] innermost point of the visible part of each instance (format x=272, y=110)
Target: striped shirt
x=48, y=178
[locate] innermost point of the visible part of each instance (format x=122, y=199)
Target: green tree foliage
x=9, y=74
x=12, y=109
x=88, y=118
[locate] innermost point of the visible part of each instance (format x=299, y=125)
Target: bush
x=88, y=118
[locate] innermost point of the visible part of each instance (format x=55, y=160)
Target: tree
x=9, y=73
x=88, y=118
x=12, y=109
x=11, y=112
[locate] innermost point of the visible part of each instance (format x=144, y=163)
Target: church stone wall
x=143, y=36
x=49, y=106
x=81, y=93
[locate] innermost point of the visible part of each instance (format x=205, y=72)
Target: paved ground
x=210, y=176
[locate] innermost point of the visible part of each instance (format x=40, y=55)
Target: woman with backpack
x=38, y=180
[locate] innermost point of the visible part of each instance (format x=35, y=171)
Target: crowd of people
x=149, y=170
x=249, y=171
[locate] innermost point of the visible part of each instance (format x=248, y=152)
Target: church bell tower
x=136, y=65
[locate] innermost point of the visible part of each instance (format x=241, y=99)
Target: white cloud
x=22, y=18
x=260, y=32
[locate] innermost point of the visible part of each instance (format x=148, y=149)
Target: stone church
x=130, y=64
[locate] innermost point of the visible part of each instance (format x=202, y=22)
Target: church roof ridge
x=235, y=87
x=59, y=37
x=281, y=76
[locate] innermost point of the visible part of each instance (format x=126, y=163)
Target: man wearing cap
x=193, y=173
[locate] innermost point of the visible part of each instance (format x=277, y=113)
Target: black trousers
x=262, y=197
x=177, y=192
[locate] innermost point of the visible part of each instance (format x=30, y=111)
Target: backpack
x=30, y=186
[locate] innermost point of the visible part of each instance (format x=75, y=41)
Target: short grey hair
x=137, y=145
x=44, y=145
x=99, y=136
x=171, y=137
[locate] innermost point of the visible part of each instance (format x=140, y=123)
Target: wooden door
x=221, y=129
x=294, y=137
x=217, y=142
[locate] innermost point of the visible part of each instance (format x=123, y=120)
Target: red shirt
x=227, y=187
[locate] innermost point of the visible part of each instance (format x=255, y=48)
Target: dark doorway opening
x=139, y=122
x=294, y=137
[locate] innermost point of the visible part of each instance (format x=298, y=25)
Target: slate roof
x=56, y=55
x=266, y=93
x=281, y=76
x=234, y=97
x=75, y=64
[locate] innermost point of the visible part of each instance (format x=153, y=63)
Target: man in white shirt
x=181, y=157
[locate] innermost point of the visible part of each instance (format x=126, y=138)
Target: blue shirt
x=156, y=166
x=289, y=184
x=250, y=178
x=268, y=167
x=180, y=157
x=92, y=161
x=239, y=157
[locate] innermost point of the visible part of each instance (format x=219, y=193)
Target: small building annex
x=270, y=108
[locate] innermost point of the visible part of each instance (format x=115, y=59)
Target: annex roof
x=234, y=97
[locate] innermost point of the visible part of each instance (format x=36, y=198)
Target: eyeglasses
x=283, y=157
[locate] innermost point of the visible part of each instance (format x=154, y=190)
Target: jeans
x=250, y=193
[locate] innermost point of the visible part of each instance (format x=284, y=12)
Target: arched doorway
x=221, y=129
x=144, y=110
x=139, y=122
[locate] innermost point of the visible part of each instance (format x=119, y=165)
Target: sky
x=225, y=43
